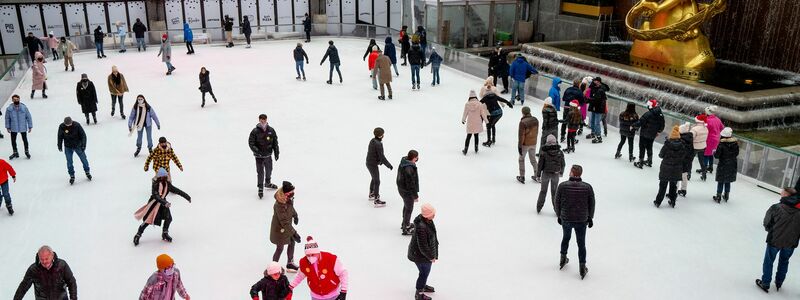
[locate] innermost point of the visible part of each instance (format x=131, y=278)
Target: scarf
x=148, y=212
x=117, y=78
x=85, y=84
x=141, y=115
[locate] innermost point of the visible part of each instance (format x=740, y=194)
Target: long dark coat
x=726, y=153
x=672, y=154
x=87, y=97
x=205, y=82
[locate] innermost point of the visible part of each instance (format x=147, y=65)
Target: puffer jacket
x=415, y=56
x=72, y=137
x=49, y=284
x=572, y=93
x=672, y=155
x=626, y=123
x=474, y=116
x=528, y=131
x=551, y=160
x=390, y=50
x=549, y=118
x=699, y=136
x=574, y=201
x=375, y=155
x=271, y=289
x=726, y=154
x=157, y=284
x=782, y=222
x=407, y=178
x=264, y=142
x=651, y=123
x=333, y=53
x=424, y=245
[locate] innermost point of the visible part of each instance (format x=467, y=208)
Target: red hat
x=652, y=103
x=700, y=118
x=574, y=103
x=164, y=36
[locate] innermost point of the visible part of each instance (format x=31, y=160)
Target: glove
x=591, y=223
x=342, y=296
x=159, y=127
x=559, y=221
x=391, y=168
x=276, y=156
x=296, y=220
x=59, y=149
x=463, y=122
x=296, y=237
x=519, y=149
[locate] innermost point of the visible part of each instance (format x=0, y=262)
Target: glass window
x=478, y=26
x=504, y=23
x=431, y=26
x=453, y=26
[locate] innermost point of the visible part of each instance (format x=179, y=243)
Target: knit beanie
x=685, y=127
x=428, y=211
x=526, y=110
x=287, y=187
x=726, y=132
x=675, y=133
x=311, y=246
x=551, y=140
x=548, y=101
x=163, y=261
x=273, y=268
x=472, y=94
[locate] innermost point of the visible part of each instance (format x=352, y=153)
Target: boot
x=214, y=97
x=123, y=115
x=10, y=210
x=27, y=154
x=536, y=179
x=291, y=267
x=428, y=289
x=639, y=164
x=421, y=296
x=521, y=179
x=617, y=156
x=631, y=158
x=271, y=186
x=564, y=261
x=589, y=136
x=260, y=193
x=72, y=68
x=136, y=239
x=44, y=95
x=583, y=271
x=89, y=176
x=672, y=201
x=32, y=92
x=165, y=236
x=703, y=177
x=762, y=286
x=717, y=198
x=408, y=230
x=71, y=180
x=328, y=82
x=649, y=162
x=656, y=203
x=13, y=155
x=725, y=197
x=203, y=104
x=682, y=193
x=597, y=140
x=136, y=154
x=464, y=151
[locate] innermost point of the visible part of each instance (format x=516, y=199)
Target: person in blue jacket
x=520, y=71
x=188, y=37
x=390, y=51
x=555, y=93
x=18, y=121
x=435, y=61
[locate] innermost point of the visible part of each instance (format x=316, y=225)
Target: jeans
x=140, y=44
x=415, y=74
x=531, y=152
x=723, y=185
x=435, y=71
x=424, y=271
x=114, y=99
x=14, y=140
x=6, y=194
x=517, y=88
x=81, y=154
x=149, y=130
x=169, y=66
x=395, y=69
x=550, y=179
x=375, y=79
x=595, y=120
x=298, y=66
x=289, y=252
x=622, y=140
x=645, y=145
x=375, y=182
x=264, y=170
x=408, y=207
x=580, y=235
x=122, y=42
x=330, y=74
x=709, y=161
x=783, y=264
x=99, y=48
x=662, y=189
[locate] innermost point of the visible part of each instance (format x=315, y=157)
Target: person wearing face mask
x=166, y=53
x=376, y=158
x=73, y=138
x=18, y=121
x=50, y=277
x=165, y=282
x=161, y=157
x=423, y=250
x=142, y=117
x=87, y=97
x=281, y=230
x=274, y=285
x=157, y=209
x=118, y=87
x=327, y=277
x=263, y=141
x=66, y=48
x=39, y=76
x=205, y=86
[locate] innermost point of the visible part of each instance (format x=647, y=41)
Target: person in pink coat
x=714, y=126
x=39, y=75
x=586, y=84
x=52, y=43
x=474, y=116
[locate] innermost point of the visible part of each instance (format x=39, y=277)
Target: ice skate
x=136, y=154
x=762, y=286
x=271, y=186
x=717, y=198
x=260, y=193
x=136, y=239
x=617, y=156
x=657, y=204
x=682, y=193
x=564, y=261
x=71, y=180
x=13, y=156
x=421, y=296
x=428, y=289
x=583, y=271
x=379, y=203
x=10, y=210
x=89, y=176
x=597, y=140
x=536, y=179
x=165, y=236
x=725, y=197
x=521, y=179
x=291, y=267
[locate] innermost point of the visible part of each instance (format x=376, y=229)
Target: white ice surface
x=493, y=244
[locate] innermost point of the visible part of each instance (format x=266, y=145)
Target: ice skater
x=139, y=29
x=549, y=121
x=246, y=30
x=52, y=43
x=44, y=274
x=390, y=51
x=34, y=44
x=333, y=53
x=98, y=41
x=188, y=37
x=157, y=210
x=405, y=44
x=282, y=232
x=572, y=93
x=73, y=138
x=495, y=113
x=142, y=118
x=687, y=139
x=263, y=141
x=6, y=170
x=520, y=70
x=166, y=50
x=672, y=157
x=782, y=223
x=299, y=54
x=118, y=87
x=627, y=131
x=227, y=24
x=700, y=136
x=205, y=86
x=715, y=126
x=727, y=165
x=382, y=73
x=526, y=143
x=67, y=48
x=370, y=48
x=474, y=116
x=416, y=59
x=408, y=187
x=376, y=158
x=274, y=285
x=575, y=211
x=18, y=121
x=161, y=156
x=574, y=121
x=436, y=62
x=328, y=284
x=164, y=282
x=651, y=124
x=423, y=249
x=550, y=168
x=122, y=33
x=307, y=28
x=39, y=76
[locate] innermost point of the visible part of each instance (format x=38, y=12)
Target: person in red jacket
x=5, y=170
x=327, y=277
x=373, y=56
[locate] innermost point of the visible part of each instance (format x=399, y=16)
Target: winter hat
x=273, y=268
x=163, y=261
x=726, y=132
x=574, y=103
x=700, y=118
x=548, y=101
x=311, y=246
x=84, y=76
x=526, y=110
x=68, y=121
x=598, y=79
x=472, y=94
x=164, y=36
x=428, y=211
x=652, y=103
x=287, y=187
x=161, y=172
x=551, y=140
x=51, y=32
x=710, y=110
x=685, y=127
x=675, y=133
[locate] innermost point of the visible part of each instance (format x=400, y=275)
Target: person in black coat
x=495, y=113
x=157, y=209
x=34, y=44
x=376, y=158
x=263, y=142
x=246, y=30
x=726, y=154
x=574, y=207
x=50, y=276
x=87, y=97
x=549, y=121
x=139, y=29
x=405, y=44
x=423, y=250
x=550, y=168
x=372, y=43
x=298, y=55
x=498, y=67
x=73, y=138
x=307, y=28
x=423, y=41
x=572, y=93
x=687, y=139
x=334, y=55
x=227, y=24
x=626, y=130
x=98, y=41
x=782, y=222
x=672, y=156
x=408, y=187
x=416, y=59
x=205, y=85
x=274, y=285
x=651, y=124
x=597, y=108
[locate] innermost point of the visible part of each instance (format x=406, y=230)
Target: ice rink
x=493, y=245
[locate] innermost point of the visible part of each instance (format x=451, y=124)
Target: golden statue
x=670, y=38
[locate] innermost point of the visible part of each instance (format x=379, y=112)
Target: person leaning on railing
x=139, y=30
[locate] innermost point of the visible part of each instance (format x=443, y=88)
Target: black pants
x=491, y=131
x=55, y=53
x=571, y=140
x=264, y=170
x=308, y=36
x=279, y=250
x=247, y=37
x=189, y=47
x=375, y=183
x=701, y=156
x=33, y=54
x=14, y=140
x=408, y=207
x=504, y=79
x=212, y=95
x=580, y=237
x=645, y=144
x=403, y=54
x=622, y=140
x=164, y=228
x=114, y=99
x=662, y=188
x=93, y=116
x=466, y=142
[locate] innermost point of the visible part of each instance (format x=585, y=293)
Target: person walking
x=67, y=48
x=416, y=59
x=574, y=207
x=118, y=87
x=700, y=136
x=34, y=44
x=188, y=37
x=474, y=116
x=18, y=121
x=495, y=113
x=39, y=76
x=122, y=32
x=436, y=62
x=715, y=126
x=672, y=156
x=373, y=55
x=98, y=41
x=555, y=93
x=281, y=231
x=408, y=187
x=687, y=139
x=5, y=170
x=727, y=166
x=549, y=121
x=572, y=93
x=390, y=51
x=246, y=30
x=166, y=50
x=50, y=276
x=423, y=250
x=627, y=131
x=383, y=72
x=551, y=166
x=782, y=223
x=157, y=209
x=526, y=143
x=227, y=24
x=205, y=86
x=274, y=285
x=520, y=70
x=574, y=122
x=263, y=142
x=332, y=283
x=333, y=53
x=597, y=108
x=299, y=54
x=139, y=29
x=375, y=158
x=165, y=282
x=73, y=139
x=651, y=124
x=405, y=44
x=161, y=156
x=142, y=117
x=307, y=28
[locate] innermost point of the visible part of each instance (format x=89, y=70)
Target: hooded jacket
x=555, y=93
x=715, y=126
x=672, y=155
x=271, y=289
x=49, y=284
x=782, y=223
x=283, y=213
x=371, y=47
x=435, y=60
x=407, y=178
x=688, y=151
x=375, y=155
x=651, y=123
x=474, y=115
x=205, y=81
x=187, y=33
x=245, y=27
x=520, y=68
x=98, y=35
x=549, y=119
x=390, y=50
x=299, y=54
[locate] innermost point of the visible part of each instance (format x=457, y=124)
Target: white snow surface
x=493, y=245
